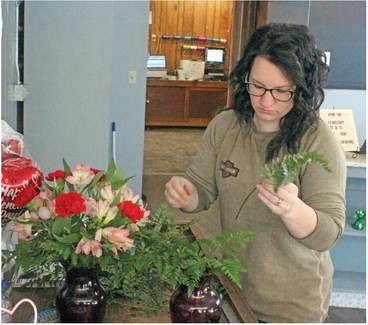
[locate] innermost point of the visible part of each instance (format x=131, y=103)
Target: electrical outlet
x=132, y=77
x=17, y=93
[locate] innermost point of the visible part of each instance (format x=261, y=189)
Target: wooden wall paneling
x=199, y=26
x=152, y=30
x=164, y=30
x=243, y=24
x=262, y=12
x=181, y=23
x=188, y=22
x=155, y=7
x=226, y=14
x=217, y=25
x=189, y=18
x=171, y=28
x=211, y=18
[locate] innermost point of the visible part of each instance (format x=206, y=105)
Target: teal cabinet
x=349, y=253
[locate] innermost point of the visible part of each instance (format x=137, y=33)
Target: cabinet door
x=165, y=104
x=203, y=103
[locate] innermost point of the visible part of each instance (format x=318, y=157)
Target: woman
x=278, y=92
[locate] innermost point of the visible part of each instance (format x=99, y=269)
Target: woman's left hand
x=282, y=202
x=299, y=218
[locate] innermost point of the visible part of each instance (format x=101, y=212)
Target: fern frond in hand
x=283, y=171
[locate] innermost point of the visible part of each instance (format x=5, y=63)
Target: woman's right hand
x=181, y=193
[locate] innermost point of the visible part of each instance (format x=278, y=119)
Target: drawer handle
x=147, y=101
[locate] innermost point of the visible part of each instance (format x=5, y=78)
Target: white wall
x=293, y=12
x=77, y=55
x=9, y=74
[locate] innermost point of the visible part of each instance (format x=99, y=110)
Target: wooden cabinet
x=183, y=103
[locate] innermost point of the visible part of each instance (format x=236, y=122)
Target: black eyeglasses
x=281, y=95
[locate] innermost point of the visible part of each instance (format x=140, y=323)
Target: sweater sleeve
x=324, y=191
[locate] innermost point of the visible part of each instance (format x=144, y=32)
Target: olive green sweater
x=288, y=279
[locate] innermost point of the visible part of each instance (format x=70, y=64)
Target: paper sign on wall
x=341, y=122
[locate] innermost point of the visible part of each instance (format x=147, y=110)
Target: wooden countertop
x=187, y=83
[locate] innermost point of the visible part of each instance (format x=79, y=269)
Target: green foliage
x=283, y=171
x=165, y=255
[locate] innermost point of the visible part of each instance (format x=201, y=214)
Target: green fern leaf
x=282, y=171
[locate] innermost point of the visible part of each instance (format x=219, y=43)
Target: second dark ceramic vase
x=202, y=306
x=81, y=299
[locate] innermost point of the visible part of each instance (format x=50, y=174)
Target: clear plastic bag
x=20, y=174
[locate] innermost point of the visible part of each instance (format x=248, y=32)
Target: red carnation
x=56, y=175
x=69, y=203
x=25, y=196
x=131, y=210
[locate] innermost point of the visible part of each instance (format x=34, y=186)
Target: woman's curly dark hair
x=292, y=49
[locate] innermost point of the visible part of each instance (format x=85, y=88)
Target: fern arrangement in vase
x=167, y=255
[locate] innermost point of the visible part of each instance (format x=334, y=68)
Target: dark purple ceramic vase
x=81, y=299
x=202, y=306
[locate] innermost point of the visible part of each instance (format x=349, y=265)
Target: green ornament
x=359, y=224
x=359, y=214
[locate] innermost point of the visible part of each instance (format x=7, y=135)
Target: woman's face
x=268, y=111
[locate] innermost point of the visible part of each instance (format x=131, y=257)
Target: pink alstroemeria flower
x=98, y=235
x=91, y=206
x=38, y=200
x=44, y=206
x=103, y=212
x=111, y=214
x=45, y=195
x=108, y=193
x=119, y=237
x=51, y=206
x=102, y=209
x=24, y=230
x=44, y=213
x=82, y=174
x=87, y=246
x=127, y=195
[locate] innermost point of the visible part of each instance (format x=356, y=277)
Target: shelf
x=350, y=231
x=349, y=253
x=349, y=282
x=355, y=171
x=356, y=167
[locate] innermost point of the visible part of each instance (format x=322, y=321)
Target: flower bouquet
x=81, y=217
x=88, y=218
